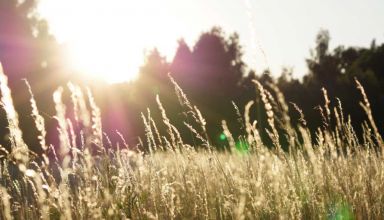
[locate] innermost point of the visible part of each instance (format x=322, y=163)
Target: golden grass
x=330, y=175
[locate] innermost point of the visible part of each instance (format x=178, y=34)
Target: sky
x=110, y=38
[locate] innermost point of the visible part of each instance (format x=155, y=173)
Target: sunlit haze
x=109, y=39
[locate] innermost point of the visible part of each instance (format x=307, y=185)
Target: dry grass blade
x=328, y=172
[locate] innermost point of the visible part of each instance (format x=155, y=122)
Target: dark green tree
x=27, y=50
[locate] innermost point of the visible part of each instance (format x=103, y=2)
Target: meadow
x=330, y=173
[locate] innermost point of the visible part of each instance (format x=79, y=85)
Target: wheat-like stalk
x=328, y=173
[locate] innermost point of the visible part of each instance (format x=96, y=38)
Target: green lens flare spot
x=223, y=137
x=242, y=146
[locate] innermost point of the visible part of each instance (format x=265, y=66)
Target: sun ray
x=109, y=41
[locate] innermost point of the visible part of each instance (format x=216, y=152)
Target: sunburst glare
x=110, y=41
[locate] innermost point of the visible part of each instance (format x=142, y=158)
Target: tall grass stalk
x=327, y=173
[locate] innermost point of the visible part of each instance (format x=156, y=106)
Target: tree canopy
x=211, y=72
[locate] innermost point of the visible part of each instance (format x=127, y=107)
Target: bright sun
x=107, y=38
x=105, y=57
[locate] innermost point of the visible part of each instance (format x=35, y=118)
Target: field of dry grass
x=330, y=175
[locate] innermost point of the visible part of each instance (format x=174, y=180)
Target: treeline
x=211, y=72
x=215, y=78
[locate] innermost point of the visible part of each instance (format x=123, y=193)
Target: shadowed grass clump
x=327, y=173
